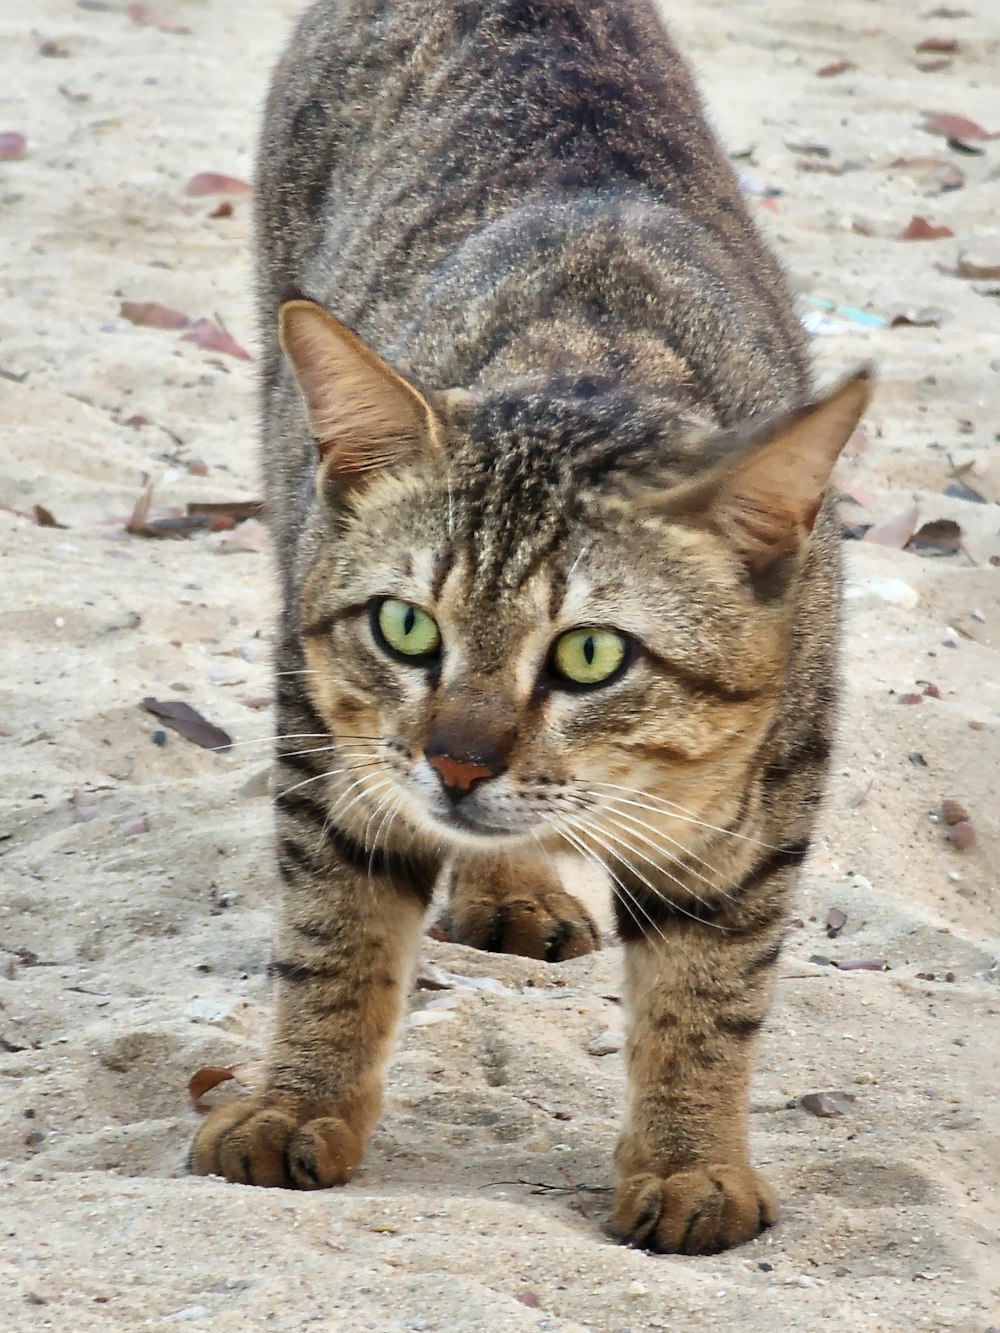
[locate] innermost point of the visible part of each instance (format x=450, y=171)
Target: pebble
x=424, y=1018
x=893, y=591
x=606, y=1043
x=186, y=1315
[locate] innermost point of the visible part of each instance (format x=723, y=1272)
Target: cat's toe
x=256, y=1143
x=700, y=1210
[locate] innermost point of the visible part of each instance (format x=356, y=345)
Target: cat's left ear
x=363, y=415
x=765, y=497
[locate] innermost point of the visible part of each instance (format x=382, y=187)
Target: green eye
x=406, y=629
x=588, y=656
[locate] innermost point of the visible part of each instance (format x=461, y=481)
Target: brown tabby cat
x=548, y=494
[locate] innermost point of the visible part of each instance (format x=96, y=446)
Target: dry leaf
x=239, y=510
x=249, y=536
x=925, y=317
x=211, y=338
x=45, y=518
x=85, y=809
x=836, y=67
x=12, y=147
x=956, y=127
x=204, y=1080
x=945, y=44
x=211, y=182
x=919, y=229
x=942, y=536
x=148, y=19
x=189, y=723
x=223, y=210
x=939, y=169
x=152, y=315
x=895, y=531
x=962, y=835
x=975, y=268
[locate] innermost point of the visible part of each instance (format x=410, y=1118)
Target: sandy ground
x=132, y=959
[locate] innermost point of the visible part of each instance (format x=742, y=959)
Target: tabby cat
x=546, y=477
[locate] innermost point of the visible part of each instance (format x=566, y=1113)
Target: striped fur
x=539, y=372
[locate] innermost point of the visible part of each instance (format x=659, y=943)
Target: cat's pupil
x=589, y=650
x=409, y=620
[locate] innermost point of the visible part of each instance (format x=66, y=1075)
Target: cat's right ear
x=363, y=415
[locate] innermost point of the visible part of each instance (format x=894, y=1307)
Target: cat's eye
x=406, y=630
x=589, y=656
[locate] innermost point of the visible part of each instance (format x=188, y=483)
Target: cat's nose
x=460, y=774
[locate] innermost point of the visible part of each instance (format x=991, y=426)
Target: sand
x=133, y=958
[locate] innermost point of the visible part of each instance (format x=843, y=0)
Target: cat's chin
x=468, y=830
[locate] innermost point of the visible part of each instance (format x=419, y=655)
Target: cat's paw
x=699, y=1210
x=266, y=1141
x=551, y=925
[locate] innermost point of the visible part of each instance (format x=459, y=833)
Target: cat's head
x=521, y=610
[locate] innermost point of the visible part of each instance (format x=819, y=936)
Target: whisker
x=675, y=811
x=330, y=773
x=627, y=896
x=588, y=829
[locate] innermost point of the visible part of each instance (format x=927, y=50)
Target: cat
x=548, y=482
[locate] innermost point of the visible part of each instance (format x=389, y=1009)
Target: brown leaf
x=239, y=510
x=836, y=67
x=249, y=536
x=148, y=19
x=975, y=268
x=961, y=835
x=956, y=127
x=939, y=169
x=45, y=518
x=138, y=520
x=223, y=210
x=12, y=146
x=189, y=723
x=942, y=536
x=895, y=531
x=211, y=338
x=953, y=812
x=212, y=182
x=204, y=1080
x=919, y=229
x=152, y=315
x=946, y=44
x=827, y=1105
x=820, y=167
x=923, y=318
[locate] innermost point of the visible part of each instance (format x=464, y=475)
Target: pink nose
x=459, y=774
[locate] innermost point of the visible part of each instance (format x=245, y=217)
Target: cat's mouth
x=468, y=822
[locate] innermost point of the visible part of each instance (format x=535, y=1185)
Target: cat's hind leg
x=517, y=906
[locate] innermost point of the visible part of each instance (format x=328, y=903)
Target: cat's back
x=395, y=128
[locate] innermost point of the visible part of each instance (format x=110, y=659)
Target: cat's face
x=627, y=667
x=521, y=627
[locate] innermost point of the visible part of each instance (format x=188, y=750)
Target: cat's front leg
x=347, y=942
x=697, y=995
x=508, y=905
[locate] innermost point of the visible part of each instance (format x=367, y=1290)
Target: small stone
x=607, y=1042
x=158, y=737
x=893, y=591
x=953, y=812
x=827, y=1105
x=424, y=1018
